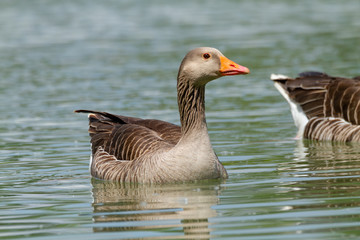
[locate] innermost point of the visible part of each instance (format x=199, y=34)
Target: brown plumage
x=128, y=149
x=323, y=107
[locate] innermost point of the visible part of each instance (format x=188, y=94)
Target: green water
x=122, y=57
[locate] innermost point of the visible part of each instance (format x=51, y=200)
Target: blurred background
x=123, y=57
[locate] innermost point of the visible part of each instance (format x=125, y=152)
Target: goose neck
x=191, y=101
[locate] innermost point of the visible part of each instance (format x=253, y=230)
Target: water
x=122, y=57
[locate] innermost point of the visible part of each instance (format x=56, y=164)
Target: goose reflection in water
x=326, y=155
x=123, y=207
x=324, y=171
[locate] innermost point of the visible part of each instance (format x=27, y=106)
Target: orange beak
x=229, y=67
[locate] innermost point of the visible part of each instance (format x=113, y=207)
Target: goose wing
x=307, y=91
x=128, y=138
x=321, y=95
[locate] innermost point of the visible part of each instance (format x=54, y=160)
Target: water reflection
x=165, y=209
x=328, y=171
x=325, y=155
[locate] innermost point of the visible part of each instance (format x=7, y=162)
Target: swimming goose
x=128, y=149
x=323, y=107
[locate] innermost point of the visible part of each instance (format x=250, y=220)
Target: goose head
x=204, y=64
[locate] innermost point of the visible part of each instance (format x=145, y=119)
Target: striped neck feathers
x=191, y=101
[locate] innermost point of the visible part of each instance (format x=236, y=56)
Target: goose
x=135, y=150
x=323, y=107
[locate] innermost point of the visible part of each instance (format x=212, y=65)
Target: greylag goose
x=323, y=107
x=128, y=149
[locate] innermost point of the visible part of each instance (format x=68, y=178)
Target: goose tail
x=98, y=115
x=298, y=114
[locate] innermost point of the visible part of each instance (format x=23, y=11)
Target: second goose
x=323, y=107
x=129, y=149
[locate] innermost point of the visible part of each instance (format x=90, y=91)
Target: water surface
x=122, y=57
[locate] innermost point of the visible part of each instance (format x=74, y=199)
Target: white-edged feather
x=91, y=158
x=297, y=113
x=278, y=76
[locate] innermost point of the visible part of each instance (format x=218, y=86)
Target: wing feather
x=128, y=138
x=321, y=95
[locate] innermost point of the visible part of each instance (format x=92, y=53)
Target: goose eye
x=206, y=55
